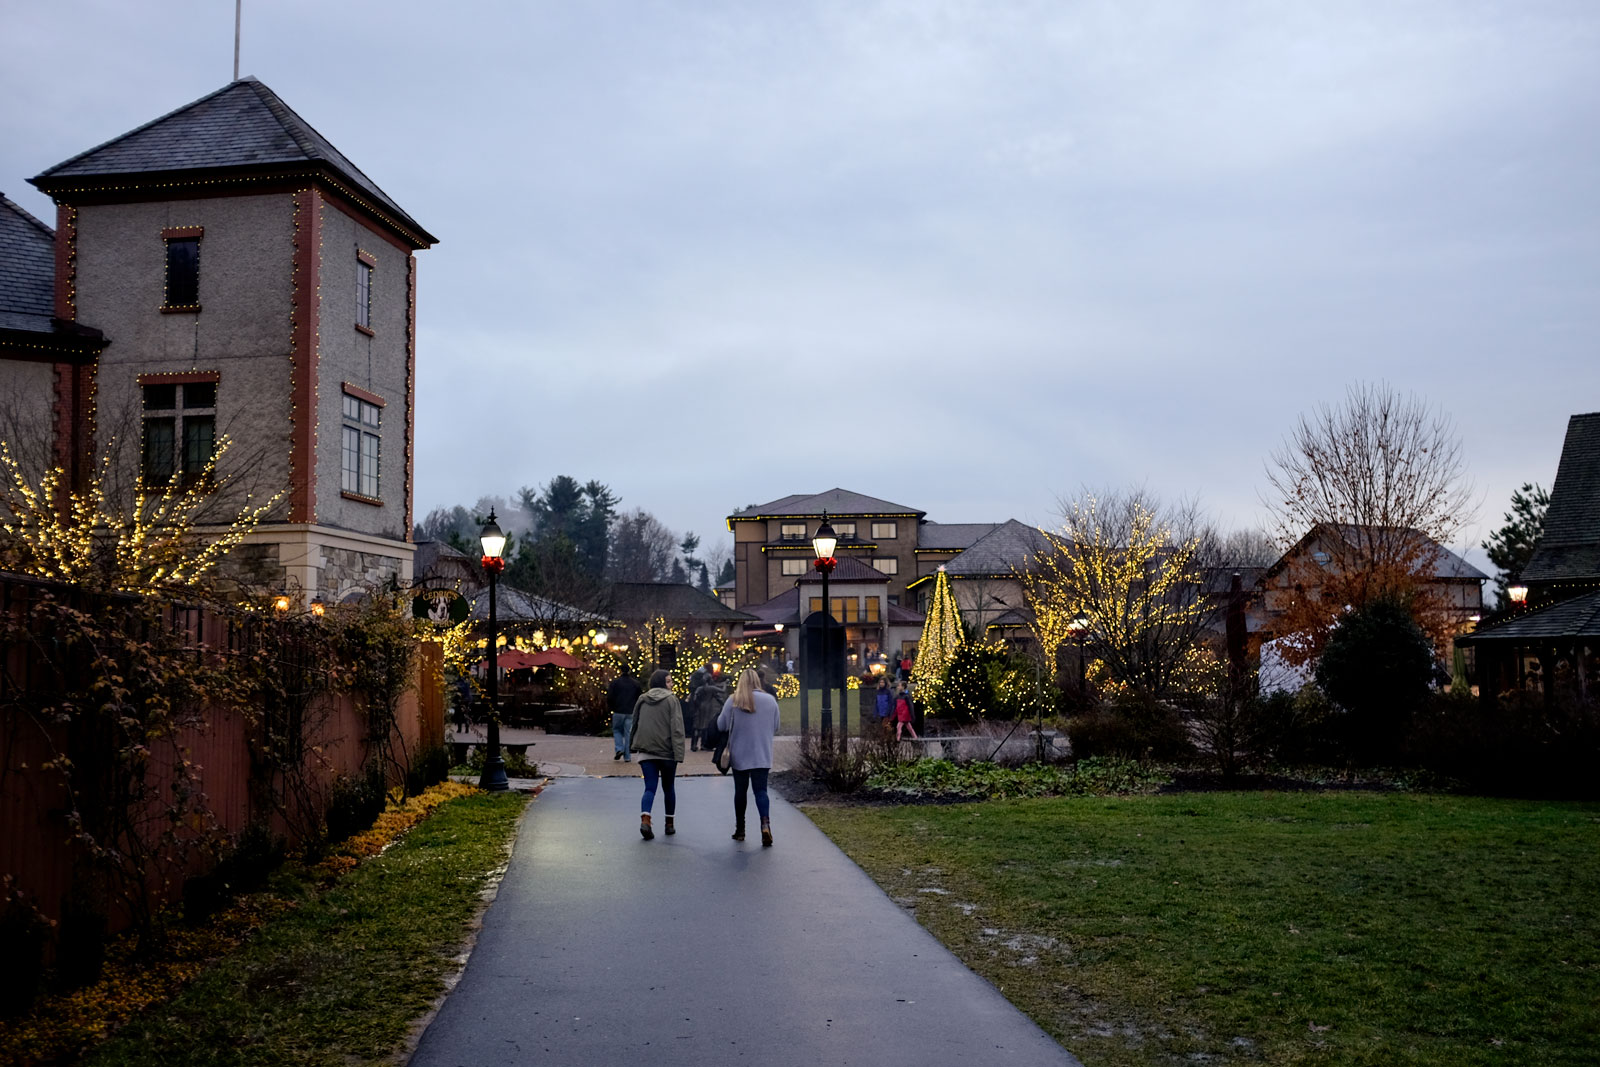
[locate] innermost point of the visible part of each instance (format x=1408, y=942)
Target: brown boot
x=644, y=828
x=670, y=830
x=766, y=833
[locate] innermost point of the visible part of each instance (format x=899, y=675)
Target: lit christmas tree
x=942, y=637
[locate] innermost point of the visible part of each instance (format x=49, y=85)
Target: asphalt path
x=604, y=948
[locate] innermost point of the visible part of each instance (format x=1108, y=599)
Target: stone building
x=224, y=269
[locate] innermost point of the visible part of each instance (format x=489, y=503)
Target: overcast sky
x=964, y=256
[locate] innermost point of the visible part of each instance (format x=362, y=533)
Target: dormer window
x=182, y=292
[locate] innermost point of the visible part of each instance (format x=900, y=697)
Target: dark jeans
x=755, y=776
x=664, y=771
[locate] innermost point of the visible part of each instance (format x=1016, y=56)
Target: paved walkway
x=574, y=755
x=603, y=948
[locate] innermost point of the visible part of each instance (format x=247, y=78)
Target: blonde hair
x=744, y=694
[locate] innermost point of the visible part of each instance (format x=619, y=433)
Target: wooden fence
x=216, y=749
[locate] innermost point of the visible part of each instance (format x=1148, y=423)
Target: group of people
x=656, y=727
x=893, y=705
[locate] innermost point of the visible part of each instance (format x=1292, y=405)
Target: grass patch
x=340, y=974
x=1282, y=928
x=1100, y=776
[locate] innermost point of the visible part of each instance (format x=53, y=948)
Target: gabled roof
x=849, y=569
x=673, y=601
x=841, y=502
x=244, y=126
x=1570, y=547
x=513, y=605
x=1447, y=566
x=1003, y=551
x=952, y=536
x=1578, y=616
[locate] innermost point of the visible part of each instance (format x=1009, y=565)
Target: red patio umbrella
x=556, y=657
x=514, y=659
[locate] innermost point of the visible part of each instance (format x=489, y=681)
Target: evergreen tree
x=942, y=637
x=1511, y=546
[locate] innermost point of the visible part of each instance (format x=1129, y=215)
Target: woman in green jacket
x=656, y=741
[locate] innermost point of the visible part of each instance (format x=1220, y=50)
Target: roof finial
x=238, y=16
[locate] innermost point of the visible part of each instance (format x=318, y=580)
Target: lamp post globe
x=493, y=540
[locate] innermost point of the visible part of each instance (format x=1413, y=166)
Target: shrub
x=966, y=691
x=430, y=767
x=517, y=765
x=1522, y=747
x=1377, y=667
x=1134, y=727
x=23, y=933
x=255, y=855
x=355, y=803
x=840, y=772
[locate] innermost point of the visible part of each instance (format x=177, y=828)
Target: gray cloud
x=1028, y=246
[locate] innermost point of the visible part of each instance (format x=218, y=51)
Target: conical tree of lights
x=942, y=636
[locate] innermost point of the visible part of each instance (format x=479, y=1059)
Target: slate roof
x=672, y=601
x=899, y=616
x=1004, y=550
x=784, y=608
x=27, y=270
x=1570, y=547
x=513, y=605
x=850, y=569
x=1447, y=565
x=841, y=502
x=953, y=536
x=242, y=126
x=1576, y=617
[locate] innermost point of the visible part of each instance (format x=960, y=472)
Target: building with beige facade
x=225, y=270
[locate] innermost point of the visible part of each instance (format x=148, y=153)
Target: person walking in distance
x=883, y=706
x=657, y=742
x=621, y=695
x=750, y=718
x=902, y=715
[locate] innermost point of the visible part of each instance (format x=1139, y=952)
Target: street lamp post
x=494, y=765
x=823, y=544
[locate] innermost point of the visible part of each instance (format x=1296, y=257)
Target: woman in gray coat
x=750, y=718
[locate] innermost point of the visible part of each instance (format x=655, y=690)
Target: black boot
x=738, y=829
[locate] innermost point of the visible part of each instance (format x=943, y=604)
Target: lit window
x=846, y=531
x=884, y=531
x=872, y=609
x=179, y=431
x=792, y=531
x=362, y=450
x=888, y=565
x=794, y=566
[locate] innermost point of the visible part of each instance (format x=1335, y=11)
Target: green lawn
x=340, y=978
x=1277, y=928
x=789, y=712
